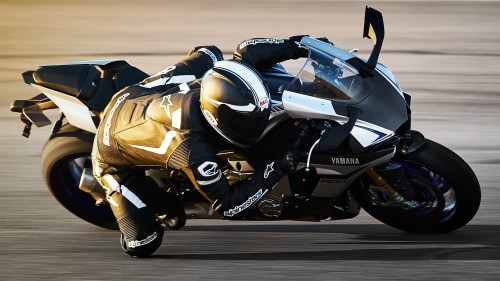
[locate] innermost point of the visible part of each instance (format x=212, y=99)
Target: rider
x=175, y=119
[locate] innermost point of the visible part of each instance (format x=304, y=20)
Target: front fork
x=393, y=198
x=395, y=174
x=386, y=194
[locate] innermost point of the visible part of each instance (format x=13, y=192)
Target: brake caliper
x=394, y=198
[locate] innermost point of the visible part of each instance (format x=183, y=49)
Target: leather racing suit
x=158, y=122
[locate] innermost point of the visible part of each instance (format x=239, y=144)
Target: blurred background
x=446, y=54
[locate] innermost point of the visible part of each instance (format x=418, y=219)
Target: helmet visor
x=242, y=127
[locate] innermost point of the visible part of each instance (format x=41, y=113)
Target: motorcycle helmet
x=235, y=102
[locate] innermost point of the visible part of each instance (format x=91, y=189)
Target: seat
x=80, y=81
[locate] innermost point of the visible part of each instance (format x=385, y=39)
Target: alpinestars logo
x=107, y=126
x=166, y=103
x=208, y=170
x=268, y=170
x=147, y=240
x=345, y=161
x=261, y=41
x=246, y=204
x=208, y=52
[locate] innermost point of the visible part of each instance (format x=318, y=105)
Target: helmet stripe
x=247, y=76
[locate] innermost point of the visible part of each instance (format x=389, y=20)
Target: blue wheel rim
x=66, y=183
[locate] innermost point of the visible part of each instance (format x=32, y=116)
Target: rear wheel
x=444, y=186
x=64, y=157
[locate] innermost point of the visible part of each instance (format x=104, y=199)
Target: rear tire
x=444, y=185
x=63, y=159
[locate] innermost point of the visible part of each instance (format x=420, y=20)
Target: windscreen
x=328, y=77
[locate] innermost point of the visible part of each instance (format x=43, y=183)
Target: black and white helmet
x=235, y=101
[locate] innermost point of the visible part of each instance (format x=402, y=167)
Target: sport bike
x=346, y=117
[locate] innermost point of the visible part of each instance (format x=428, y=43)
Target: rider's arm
x=264, y=52
x=198, y=61
x=226, y=199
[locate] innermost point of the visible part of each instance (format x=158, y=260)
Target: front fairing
x=330, y=83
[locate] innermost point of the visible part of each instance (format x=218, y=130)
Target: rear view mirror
x=374, y=29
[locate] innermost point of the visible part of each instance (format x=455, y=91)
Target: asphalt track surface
x=445, y=54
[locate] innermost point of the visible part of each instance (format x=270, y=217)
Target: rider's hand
x=298, y=38
x=288, y=162
x=327, y=69
x=213, y=49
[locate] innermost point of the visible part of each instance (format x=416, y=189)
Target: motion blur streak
x=438, y=50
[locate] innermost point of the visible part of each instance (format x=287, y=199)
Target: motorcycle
x=347, y=117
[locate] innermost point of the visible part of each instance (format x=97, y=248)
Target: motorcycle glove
x=298, y=38
x=262, y=53
x=214, y=52
x=288, y=162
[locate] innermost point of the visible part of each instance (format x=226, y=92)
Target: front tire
x=442, y=183
x=63, y=159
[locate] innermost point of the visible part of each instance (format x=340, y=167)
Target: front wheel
x=64, y=157
x=444, y=186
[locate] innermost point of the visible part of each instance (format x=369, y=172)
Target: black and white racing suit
x=158, y=122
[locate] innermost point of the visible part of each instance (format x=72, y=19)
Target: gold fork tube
x=381, y=182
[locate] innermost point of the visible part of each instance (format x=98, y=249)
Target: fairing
x=331, y=82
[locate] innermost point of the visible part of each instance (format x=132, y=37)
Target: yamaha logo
x=345, y=161
x=261, y=41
